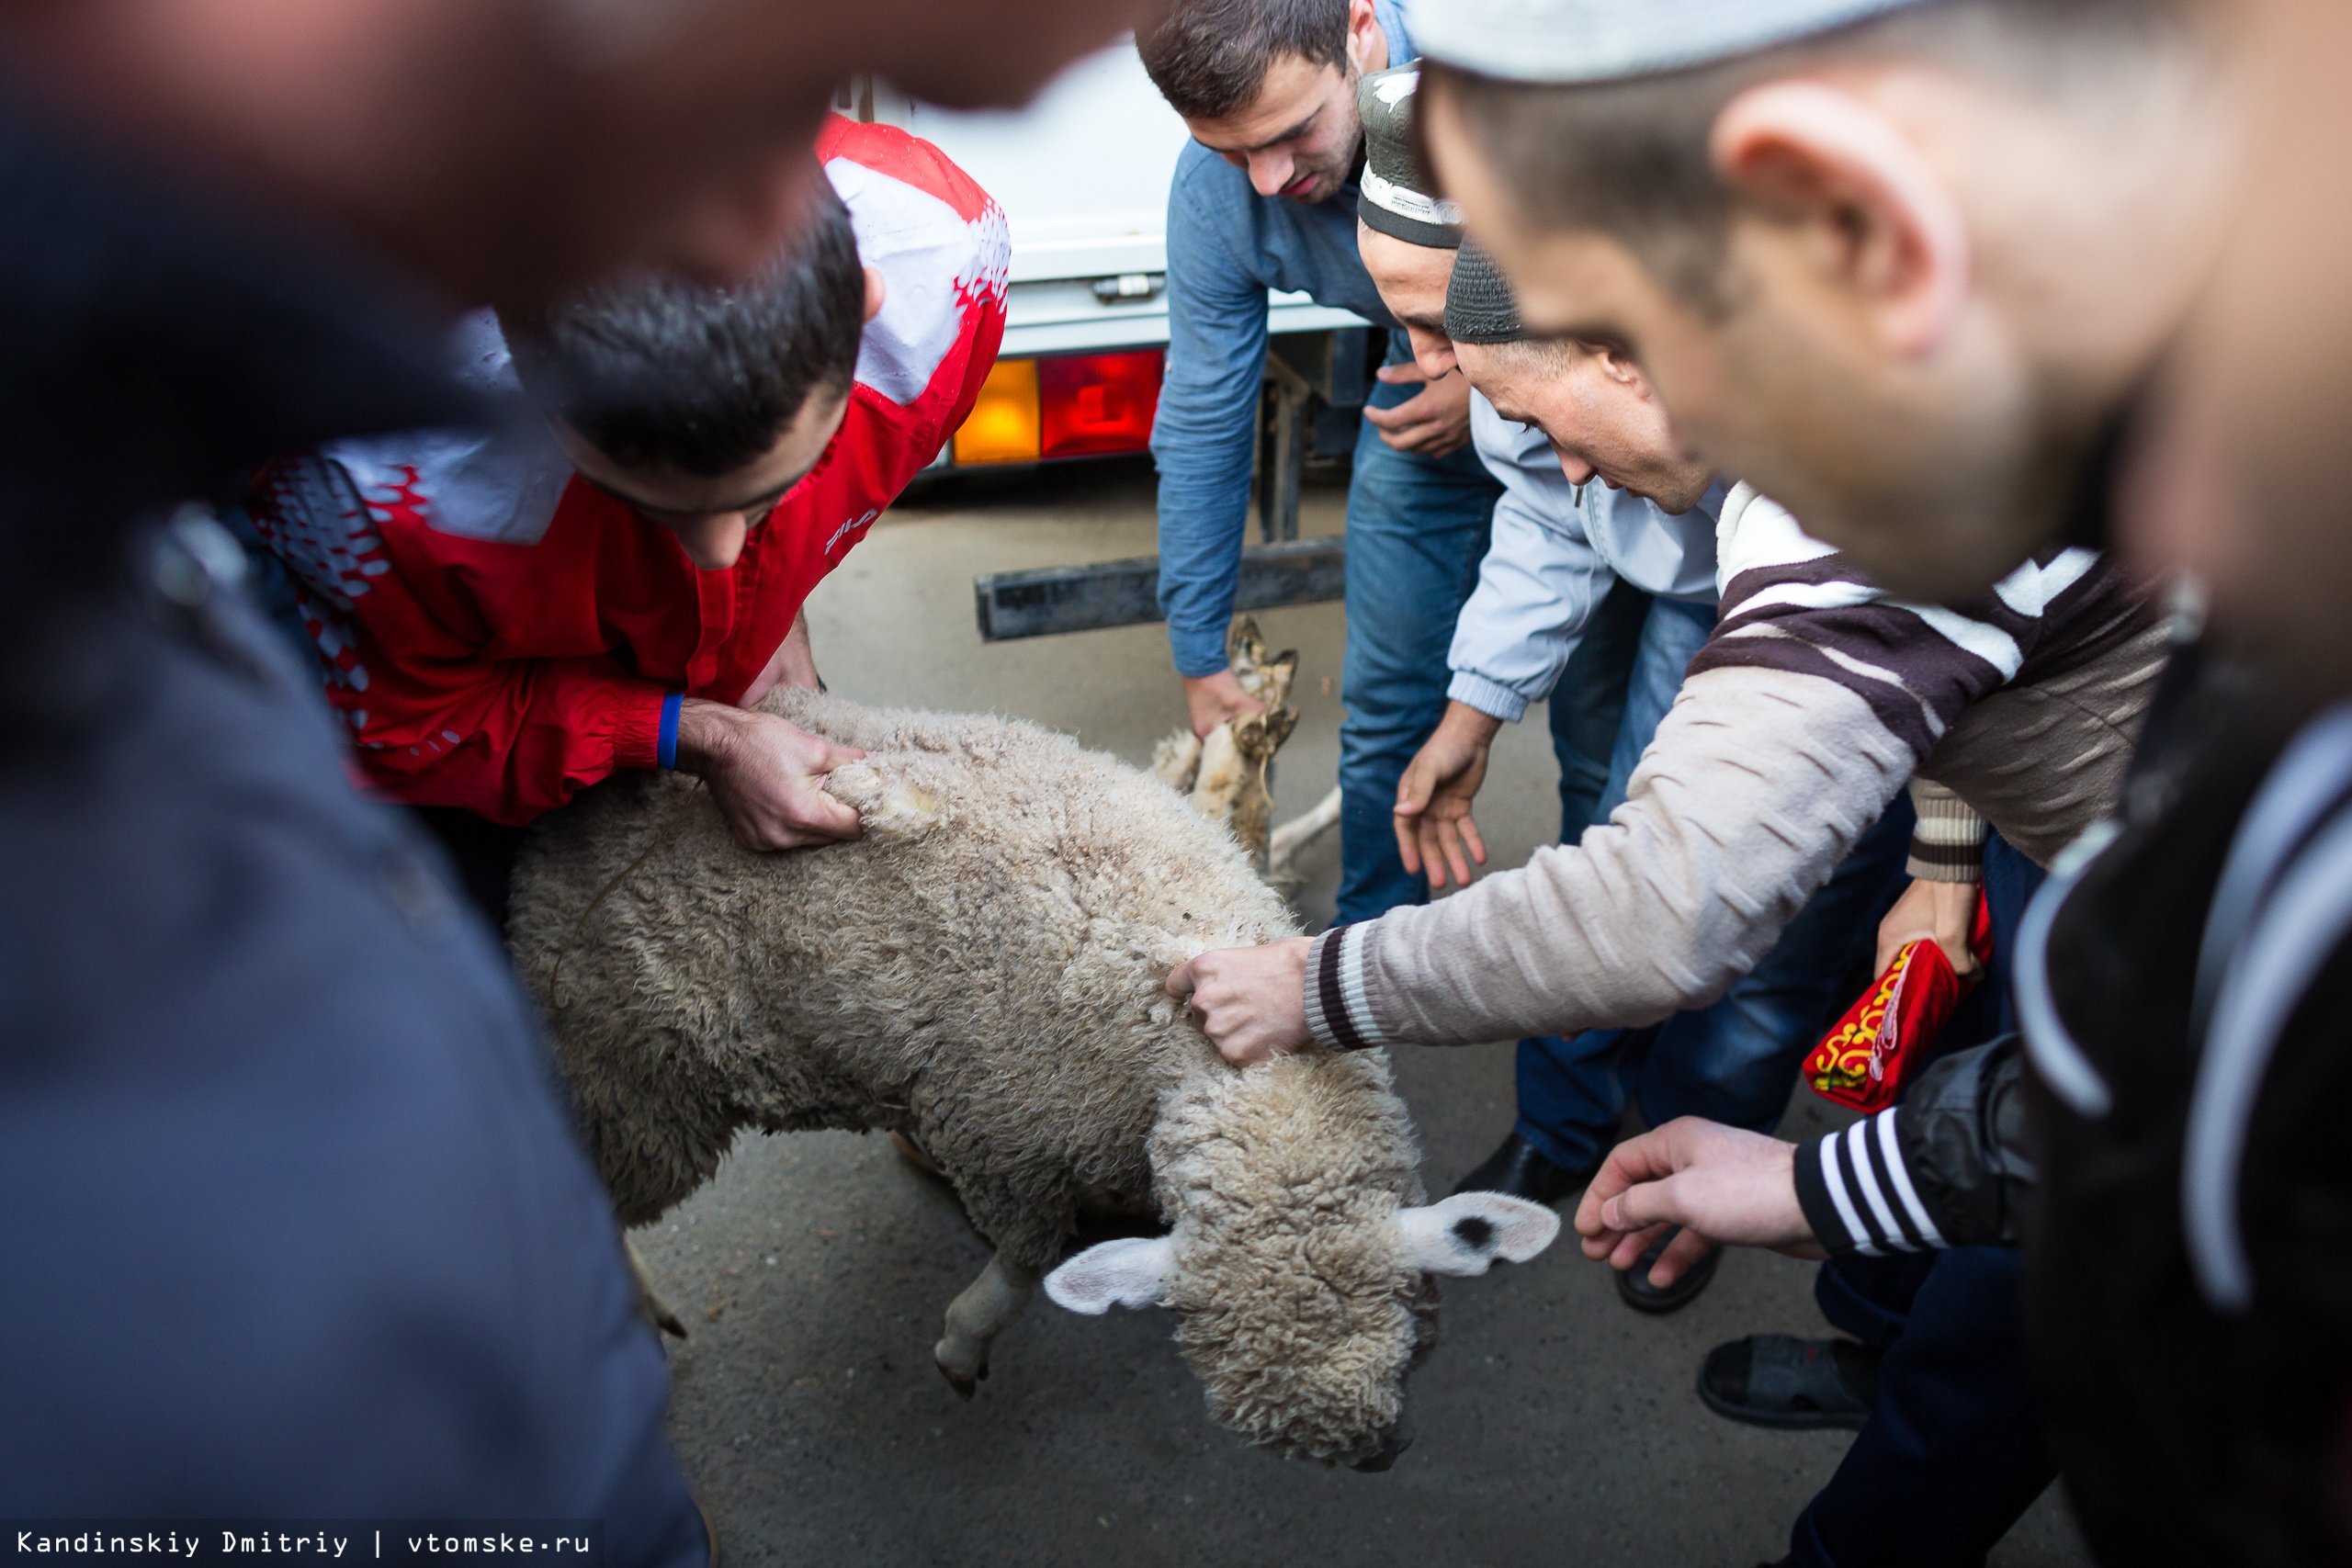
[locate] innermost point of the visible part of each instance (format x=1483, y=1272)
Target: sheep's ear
x=1465, y=1233
x=1130, y=1272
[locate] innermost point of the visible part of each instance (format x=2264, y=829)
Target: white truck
x=1083, y=174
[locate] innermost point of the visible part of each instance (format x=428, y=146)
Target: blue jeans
x=1733, y=1060
x=1587, y=706
x=1951, y=1454
x=1417, y=531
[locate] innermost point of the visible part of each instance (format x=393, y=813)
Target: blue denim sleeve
x=1203, y=439
x=1537, y=585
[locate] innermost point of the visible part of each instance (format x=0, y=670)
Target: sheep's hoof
x=655, y=1308
x=650, y=1305
x=965, y=1383
x=915, y=1154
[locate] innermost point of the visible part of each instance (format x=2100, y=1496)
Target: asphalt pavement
x=1555, y=1425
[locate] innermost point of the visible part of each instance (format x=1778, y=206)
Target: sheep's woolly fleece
x=982, y=970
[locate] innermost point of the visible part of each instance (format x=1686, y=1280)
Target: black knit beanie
x=1479, y=303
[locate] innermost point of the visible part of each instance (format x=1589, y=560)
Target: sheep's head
x=1301, y=1261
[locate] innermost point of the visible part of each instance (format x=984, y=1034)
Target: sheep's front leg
x=649, y=1303
x=976, y=1318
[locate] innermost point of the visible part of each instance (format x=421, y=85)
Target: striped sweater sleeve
x=1335, y=999
x=1817, y=698
x=1791, y=602
x=1947, y=842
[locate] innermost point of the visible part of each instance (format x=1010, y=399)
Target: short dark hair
x=1209, y=58
x=656, y=371
x=1630, y=159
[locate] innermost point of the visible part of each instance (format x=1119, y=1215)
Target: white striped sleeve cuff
x=1858, y=1195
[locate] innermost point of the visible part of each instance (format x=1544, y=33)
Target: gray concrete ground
x=1555, y=1425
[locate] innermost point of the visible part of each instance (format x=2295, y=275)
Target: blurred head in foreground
x=1898, y=263
x=503, y=150
x=2245, y=481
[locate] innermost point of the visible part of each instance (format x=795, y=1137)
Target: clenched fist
x=767, y=777
x=1249, y=1002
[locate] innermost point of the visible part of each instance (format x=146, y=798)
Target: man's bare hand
x=1434, y=827
x=1944, y=913
x=1433, y=423
x=1213, y=699
x=768, y=776
x=1722, y=1186
x=1249, y=1002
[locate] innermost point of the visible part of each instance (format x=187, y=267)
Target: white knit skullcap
x=1607, y=40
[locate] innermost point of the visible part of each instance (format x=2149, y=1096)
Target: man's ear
x=1130, y=1272
x=1625, y=369
x=1465, y=1233
x=1366, y=44
x=877, y=288
x=1888, y=224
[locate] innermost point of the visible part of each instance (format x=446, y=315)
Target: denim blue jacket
x=1227, y=246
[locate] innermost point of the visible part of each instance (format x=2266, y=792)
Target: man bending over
x=504, y=619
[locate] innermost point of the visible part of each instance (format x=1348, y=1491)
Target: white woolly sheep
x=982, y=972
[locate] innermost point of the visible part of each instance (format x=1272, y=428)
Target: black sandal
x=1778, y=1380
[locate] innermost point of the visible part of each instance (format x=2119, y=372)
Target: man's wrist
x=1500, y=703
x=705, y=732
x=1199, y=655
x=1332, y=998
x=1473, y=725
x=1857, y=1193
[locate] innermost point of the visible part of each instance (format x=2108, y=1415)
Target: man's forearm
x=1200, y=534
x=1204, y=437
x=1473, y=725
x=796, y=661
x=1538, y=584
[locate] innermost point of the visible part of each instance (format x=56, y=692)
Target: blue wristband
x=667, y=756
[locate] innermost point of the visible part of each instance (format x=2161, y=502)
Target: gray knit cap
x=1394, y=197
x=1479, y=303
x=1608, y=40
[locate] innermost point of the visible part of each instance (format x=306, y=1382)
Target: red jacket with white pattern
x=498, y=633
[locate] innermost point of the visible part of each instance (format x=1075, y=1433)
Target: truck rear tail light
x=1080, y=405
x=1097, y=404
x=1004, y=426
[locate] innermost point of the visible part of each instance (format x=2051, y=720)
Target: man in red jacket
x=505, y=618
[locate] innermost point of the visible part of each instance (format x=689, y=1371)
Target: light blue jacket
x=1556, y=551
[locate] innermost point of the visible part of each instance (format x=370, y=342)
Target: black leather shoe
x=1519, y=1170
x=1634, y=1285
